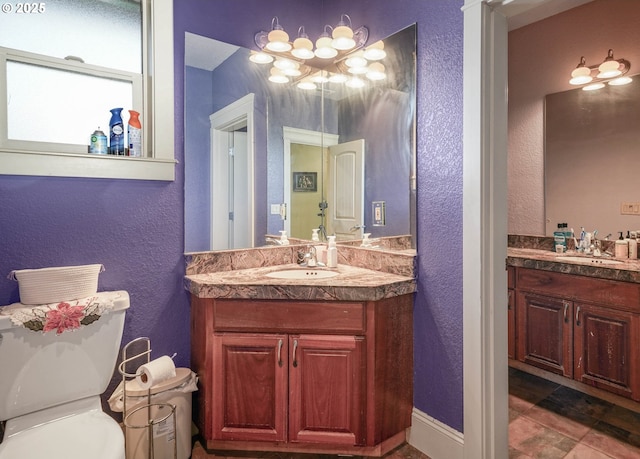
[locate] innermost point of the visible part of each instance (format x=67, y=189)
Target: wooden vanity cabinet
x=587, y=329
x=511, y=312
x=308, y=376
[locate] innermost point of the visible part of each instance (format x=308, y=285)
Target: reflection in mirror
x=591, y=159
x=292, y=168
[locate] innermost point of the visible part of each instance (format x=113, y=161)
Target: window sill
x=89, y=166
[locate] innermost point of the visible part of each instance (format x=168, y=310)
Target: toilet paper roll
x=156, y=371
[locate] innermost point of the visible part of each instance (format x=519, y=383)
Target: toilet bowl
x=51, y=385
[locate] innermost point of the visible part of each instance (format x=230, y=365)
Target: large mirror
x=261, y=157
x=592, y=148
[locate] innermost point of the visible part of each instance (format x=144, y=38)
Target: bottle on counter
x=98, y=143
x=633, y=245
x=134, y=134
x=332, y=252
x=116, y=133
x=559, y=239
x=622, y=247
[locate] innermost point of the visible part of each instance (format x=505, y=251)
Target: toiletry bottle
x=134, y=134
x=283, y=238
x=314, y=235
x=116, y=133
x=559, y=239
x=332, y=253
x=633, y=246
x=98, y=145
x=622, y=247
x=366, y=242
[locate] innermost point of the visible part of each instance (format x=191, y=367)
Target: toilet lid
x=92, y=435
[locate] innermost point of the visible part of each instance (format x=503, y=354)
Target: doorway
x=232, y=158
x=304, y=153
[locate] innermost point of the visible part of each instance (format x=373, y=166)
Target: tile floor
x=550, y=421
x=402, y=452
x=546, y=421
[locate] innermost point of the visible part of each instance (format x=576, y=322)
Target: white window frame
x=38, y=60
x=158, y=129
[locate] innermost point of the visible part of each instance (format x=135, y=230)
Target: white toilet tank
x=41, y=370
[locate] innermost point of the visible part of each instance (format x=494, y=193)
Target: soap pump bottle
x=332, y=253
x=283, y=238
x=314, y=235
x=622, y=247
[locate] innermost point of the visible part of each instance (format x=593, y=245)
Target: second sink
x=595, y=261
x=302, y=274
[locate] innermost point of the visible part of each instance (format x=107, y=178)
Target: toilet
x=50, y=386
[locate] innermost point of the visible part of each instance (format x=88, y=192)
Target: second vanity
x=315, y=365
x=577, y=317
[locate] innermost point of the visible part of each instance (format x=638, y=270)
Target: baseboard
x=433, y=438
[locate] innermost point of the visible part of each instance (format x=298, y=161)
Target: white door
x=239, y=199
x=345, y=193
x=232, y=202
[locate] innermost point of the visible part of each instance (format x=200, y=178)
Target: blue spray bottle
x=116, y=133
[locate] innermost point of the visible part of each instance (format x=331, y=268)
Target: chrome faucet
x=309, y=258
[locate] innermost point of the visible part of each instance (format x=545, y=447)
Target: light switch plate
x=275, y=209
x=630, y=208
x=378, y=211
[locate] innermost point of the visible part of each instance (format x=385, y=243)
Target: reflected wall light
x=340, y=48
x=611, y=71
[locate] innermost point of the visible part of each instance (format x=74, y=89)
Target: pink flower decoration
x=66, y=317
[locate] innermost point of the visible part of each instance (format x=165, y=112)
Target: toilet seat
x=92, y=434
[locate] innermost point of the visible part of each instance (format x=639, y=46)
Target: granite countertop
x=351, y=284
x=546, y=260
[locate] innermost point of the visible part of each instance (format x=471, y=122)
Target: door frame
x=223, y=121
x=303, y=137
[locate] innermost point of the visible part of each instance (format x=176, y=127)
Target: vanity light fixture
x=324, y=48
x=611, y=71
x=339, y=53
x=277, y=39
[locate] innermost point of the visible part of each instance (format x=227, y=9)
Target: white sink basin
x=592, y=261
x=305, y=274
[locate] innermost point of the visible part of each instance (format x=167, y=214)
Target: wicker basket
x=52, y=285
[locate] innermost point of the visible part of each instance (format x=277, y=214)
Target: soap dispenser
x=366, y=242
x=332, y=253
x=314, y=235
x=622, y=247
x=283, y=238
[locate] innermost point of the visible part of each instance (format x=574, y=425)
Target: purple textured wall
x=134, y=228
x=438, y=307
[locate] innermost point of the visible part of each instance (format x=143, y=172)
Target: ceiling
x=205, y=53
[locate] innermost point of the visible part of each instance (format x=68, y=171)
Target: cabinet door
x=545, y=332
x=326, y=392
x=511, y=324
x=249, y=387
x=605, y=356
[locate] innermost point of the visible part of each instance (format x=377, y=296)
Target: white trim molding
x=485, y=232
x=435, y=439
